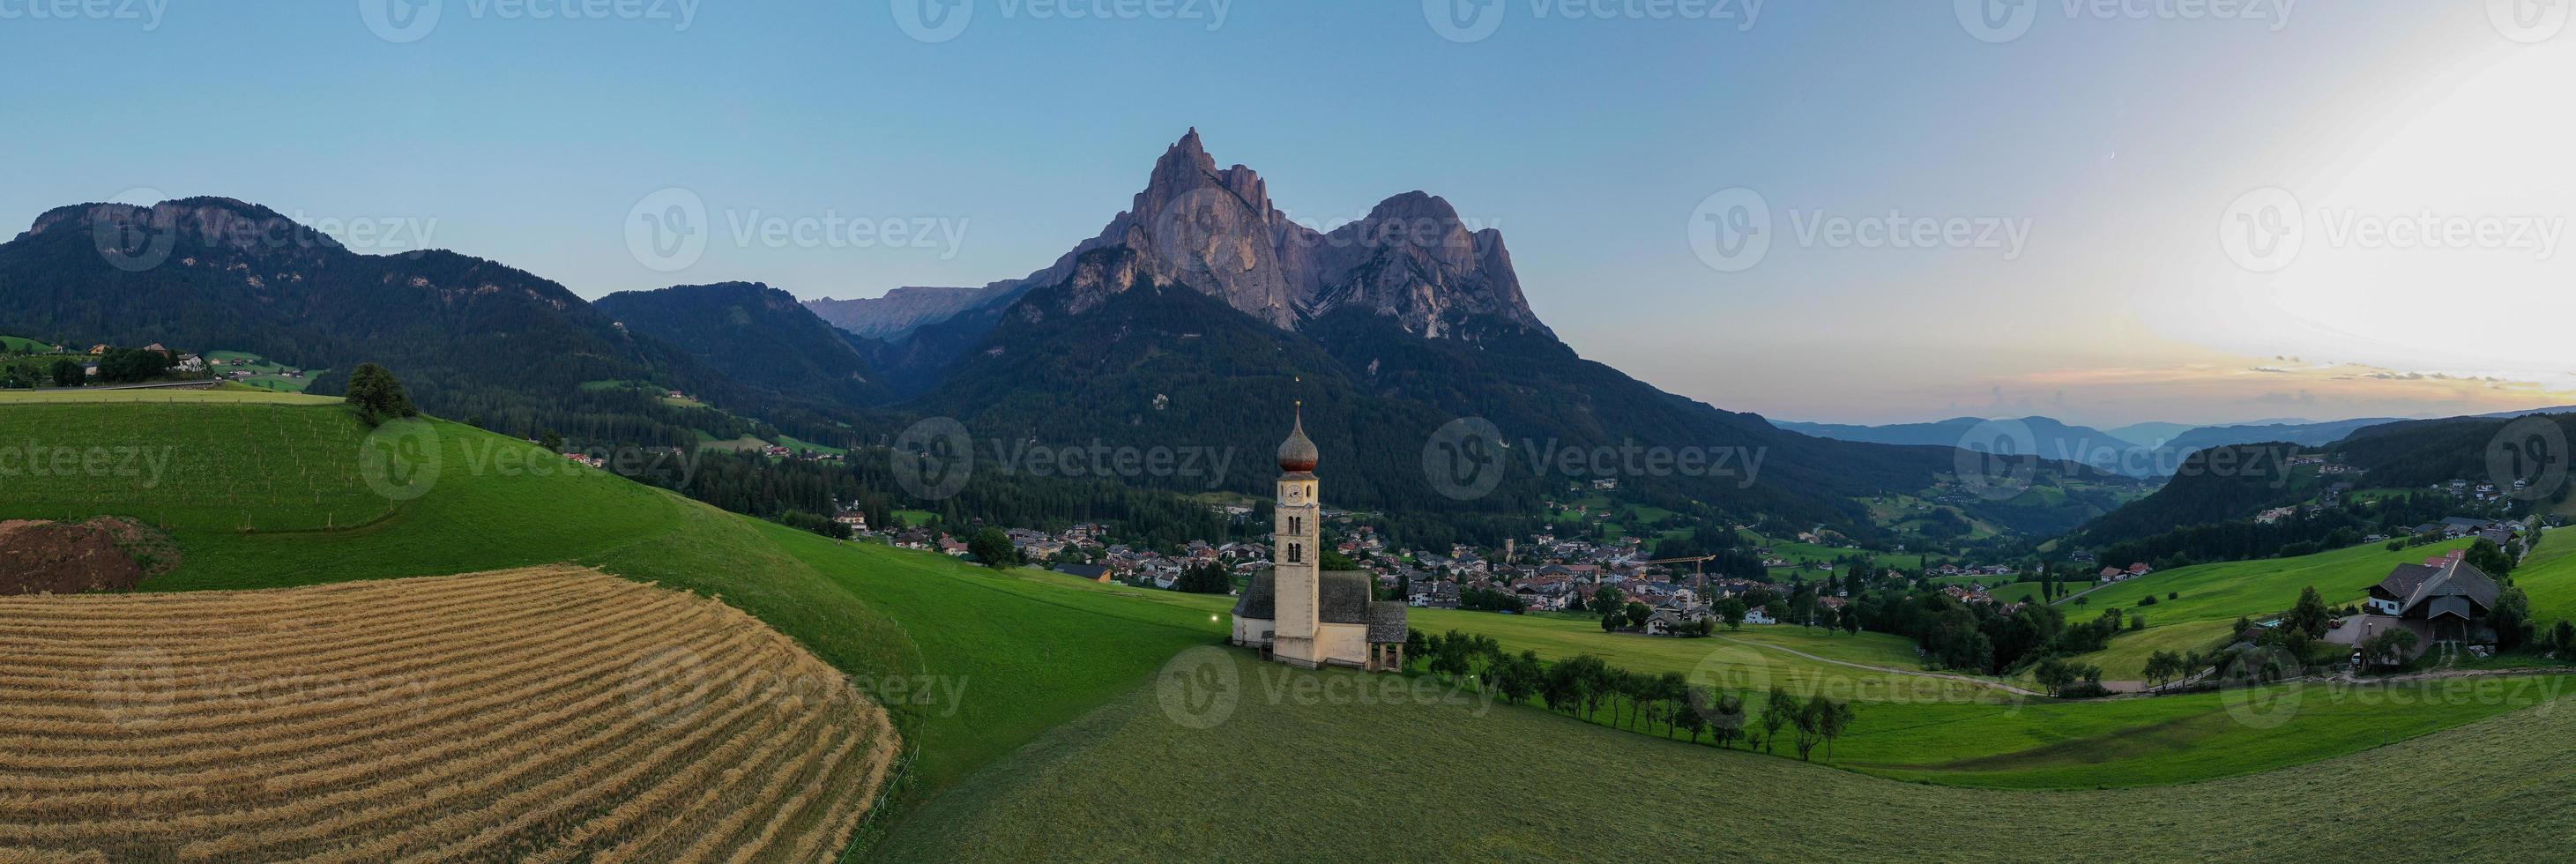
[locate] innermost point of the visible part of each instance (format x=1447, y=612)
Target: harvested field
x=549, y=714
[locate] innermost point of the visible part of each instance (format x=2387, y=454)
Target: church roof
x=1341, y=597
x=1386, y=622
x=1297, y=455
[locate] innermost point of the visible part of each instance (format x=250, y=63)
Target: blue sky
x=2086, y=162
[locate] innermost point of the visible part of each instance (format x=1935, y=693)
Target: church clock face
x=1296, y=494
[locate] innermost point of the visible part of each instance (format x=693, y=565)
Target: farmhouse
x=2449, y=595
x=1295, y=612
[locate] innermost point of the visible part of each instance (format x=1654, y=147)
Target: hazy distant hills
x=2144, y=450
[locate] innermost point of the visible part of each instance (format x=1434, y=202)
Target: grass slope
x=2215, y=595
x=1295, y=772
x=1738, y=658
x=978, y=664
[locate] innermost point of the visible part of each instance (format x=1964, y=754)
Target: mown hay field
x=550, y=714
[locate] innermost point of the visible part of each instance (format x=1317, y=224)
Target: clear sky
x=2080, y=170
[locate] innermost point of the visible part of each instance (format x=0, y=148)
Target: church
x=1300, y=614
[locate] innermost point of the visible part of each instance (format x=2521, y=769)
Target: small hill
x=755, y=334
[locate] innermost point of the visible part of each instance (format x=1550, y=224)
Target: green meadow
x=2207, y=598
x=1032, y=704
x=1336, y=766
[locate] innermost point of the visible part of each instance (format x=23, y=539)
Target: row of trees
x=1637, y=702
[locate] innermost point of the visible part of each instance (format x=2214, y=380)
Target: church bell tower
x=1296, y=555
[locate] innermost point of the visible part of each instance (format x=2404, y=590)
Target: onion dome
x=1297, y=454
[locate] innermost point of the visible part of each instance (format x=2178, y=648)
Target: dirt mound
x=102, y=554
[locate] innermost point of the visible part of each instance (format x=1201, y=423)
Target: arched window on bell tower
x=1296, y=553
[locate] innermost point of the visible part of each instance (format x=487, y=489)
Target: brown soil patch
x=102, y=554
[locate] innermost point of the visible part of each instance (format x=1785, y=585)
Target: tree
x=69, y=373
x=1726, y=719
x=130, y=365
x=2310, y=616
x=1606, y=600
x=2511, y=619
x=1205, y=578
x=2389, y=648
x=377, y=395
x=1638, y=613
x=1776, y=712
x=2490, y=559
x=1524, y=676
x=993, y=547
x=1732, y=609
x=2562, y=639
